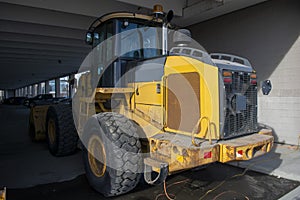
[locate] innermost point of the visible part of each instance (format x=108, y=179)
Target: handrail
x=196, y=128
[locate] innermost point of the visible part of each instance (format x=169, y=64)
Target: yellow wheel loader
x=153, y=104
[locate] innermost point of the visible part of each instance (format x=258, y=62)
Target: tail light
x=253, y=80
x=239, y=153
x=227, y=77
x=207, y=155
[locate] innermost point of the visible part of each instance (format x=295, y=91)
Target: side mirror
x=89, y=38
x=266, y=87
x=170, y=16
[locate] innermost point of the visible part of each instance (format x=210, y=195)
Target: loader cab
x=120, y=42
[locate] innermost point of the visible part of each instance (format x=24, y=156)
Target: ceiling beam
x=40, y=39
x=43, y=16
x=43, y=62
x=40, y=47
x=95, y=8
x=22, y=51
x=208, y=9
x=43, y=30
x=40, y=56
x=37, y=58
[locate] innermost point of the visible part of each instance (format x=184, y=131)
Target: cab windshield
x=119, y=42
x=138, y=40
x=133, y=38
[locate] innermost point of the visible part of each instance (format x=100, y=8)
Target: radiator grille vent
x=241, y=106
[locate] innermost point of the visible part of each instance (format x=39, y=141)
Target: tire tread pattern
x=66, y=134
x=126, y=151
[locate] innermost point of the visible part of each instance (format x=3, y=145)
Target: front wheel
x=111, y=154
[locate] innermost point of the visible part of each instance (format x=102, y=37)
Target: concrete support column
x=57, y=87
x=1, y=95
x=43, y=87
x=31, y=90
x=71, y=84
x=28, y=90
x=47, y=87
x=39, y=89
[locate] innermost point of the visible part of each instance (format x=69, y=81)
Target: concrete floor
x=24, y=164
x=283, y=161
x=213, y=183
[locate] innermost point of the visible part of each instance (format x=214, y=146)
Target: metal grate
x=241, y=106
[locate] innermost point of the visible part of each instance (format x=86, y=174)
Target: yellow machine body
x=179, y=116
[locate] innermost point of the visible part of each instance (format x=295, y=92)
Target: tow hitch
x=162, y=175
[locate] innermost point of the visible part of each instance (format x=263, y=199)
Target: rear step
x=245, y=148
x=178, y=152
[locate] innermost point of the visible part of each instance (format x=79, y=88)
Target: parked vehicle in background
x=14, y=100
x=39, y=99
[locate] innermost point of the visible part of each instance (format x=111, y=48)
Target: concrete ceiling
x=40, y=40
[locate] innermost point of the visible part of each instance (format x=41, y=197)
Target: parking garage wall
x=268, y=35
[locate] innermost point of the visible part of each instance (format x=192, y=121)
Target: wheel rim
x=97, y=156
x=51, y=131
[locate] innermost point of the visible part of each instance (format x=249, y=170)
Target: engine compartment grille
x=240, y=106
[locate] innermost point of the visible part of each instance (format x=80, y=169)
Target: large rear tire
x=113, y=161
x=61, y=133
